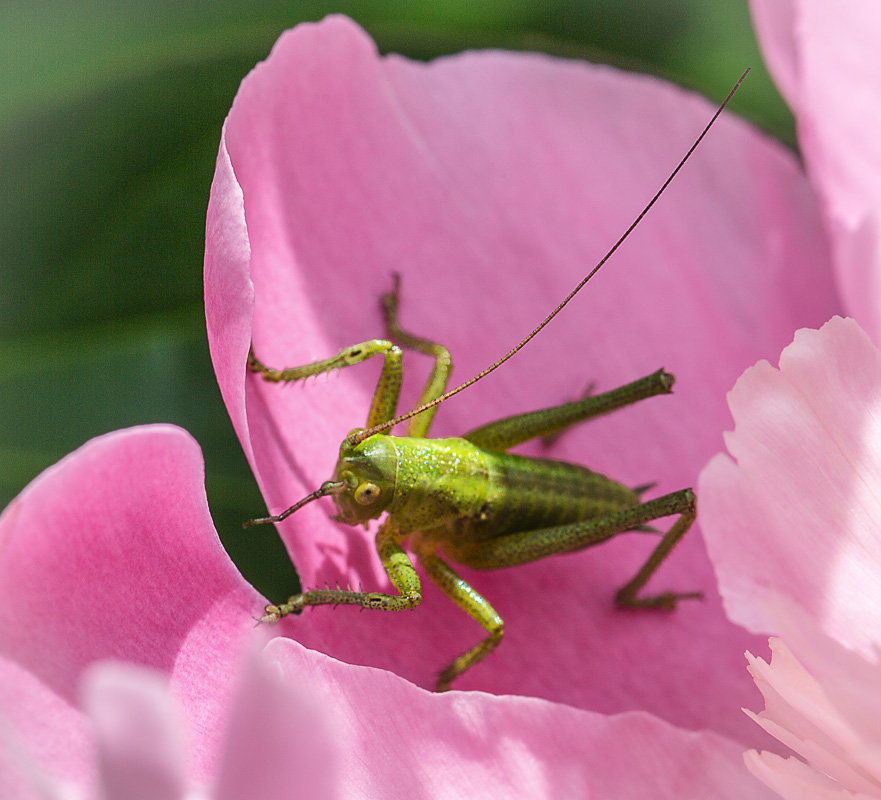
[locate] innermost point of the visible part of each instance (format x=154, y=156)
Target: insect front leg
x=385, y=398
x=470, y=601
x=443, y=362
x=398, y=567
x=527, y=546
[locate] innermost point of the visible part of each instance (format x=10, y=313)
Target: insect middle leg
x=527, y=546
x=443, y=362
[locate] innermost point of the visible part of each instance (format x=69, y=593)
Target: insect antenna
x=326, y=488
x=366, y=433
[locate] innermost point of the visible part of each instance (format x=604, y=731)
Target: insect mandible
x=468, y=500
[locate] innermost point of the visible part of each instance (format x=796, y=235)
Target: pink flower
x=493, y=182
x=102, y=561
x=792, y=518
x=110, y=556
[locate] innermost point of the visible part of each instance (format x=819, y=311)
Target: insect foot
x=389, y=302
x=665, y=601
x=445, y=680
x=273, y=614
x=496, y=629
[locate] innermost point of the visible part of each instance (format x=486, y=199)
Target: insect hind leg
x=527, y=546
x=626, y=597
x=503, y=434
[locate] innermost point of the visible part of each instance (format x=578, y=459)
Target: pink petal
x=276, y=742
x=492, y=182
x=295, y=721
x=138, y=731
x=792, y=526
x=794, y=780
x=798, y=510
x=827, y=716
x=111, y=553
x=229, y=295
x=826, y=60
x=44, y=740
x=394, y=734
x=822, y=701
x=280, y=741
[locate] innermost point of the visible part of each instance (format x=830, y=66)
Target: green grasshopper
x=468, y=500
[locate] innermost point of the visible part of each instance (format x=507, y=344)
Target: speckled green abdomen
x=529, y=493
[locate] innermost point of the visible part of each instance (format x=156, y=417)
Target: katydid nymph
x=468, y=500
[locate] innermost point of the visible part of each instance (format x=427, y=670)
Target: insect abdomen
x=529, y=493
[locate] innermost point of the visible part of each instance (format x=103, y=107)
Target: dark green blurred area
x=111, y=115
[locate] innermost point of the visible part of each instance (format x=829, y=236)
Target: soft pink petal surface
x=36, y=726
x=791, y=520
x=493, y=182
x=276, y=742
x=826, y=61
x=218, y=716
x=478, y=745
x=229, y=294
x=821, y=701
x=139, y=735
x=283, y=739
x=112, y=554
x=802, y=481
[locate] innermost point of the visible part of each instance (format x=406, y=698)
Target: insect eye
x=366, y=493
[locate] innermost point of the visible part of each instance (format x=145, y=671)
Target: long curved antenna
x=361, y=435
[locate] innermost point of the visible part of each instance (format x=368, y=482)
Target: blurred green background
x=111, y=115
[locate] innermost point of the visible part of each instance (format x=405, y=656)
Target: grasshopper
x=468, y=500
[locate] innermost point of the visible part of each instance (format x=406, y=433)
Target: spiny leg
x=505, y=433
x=471, y=602
x=626, y=596
x=397, y=565
x=550, y=439
x=443, y=363
x=385, y=398
x=527, y=546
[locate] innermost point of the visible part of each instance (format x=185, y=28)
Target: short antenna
x=366, y=433
x=326, y=488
